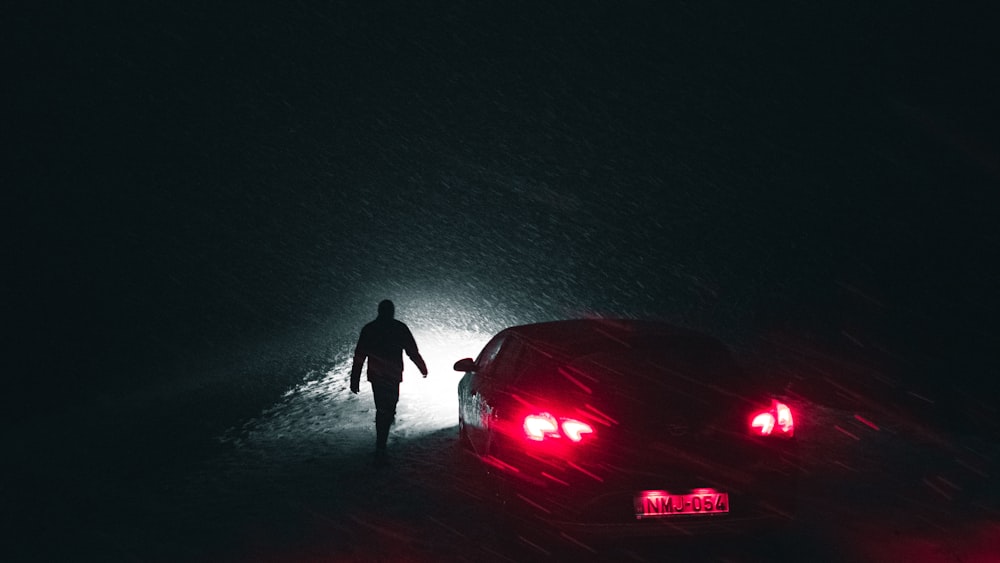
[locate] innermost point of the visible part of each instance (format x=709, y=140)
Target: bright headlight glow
x=322, y=408
x=447, y=328
x=434, y=400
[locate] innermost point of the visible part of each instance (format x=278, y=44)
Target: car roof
x=623, y=345
x=573, y=336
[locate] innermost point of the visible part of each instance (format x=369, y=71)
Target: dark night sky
x=187, y=182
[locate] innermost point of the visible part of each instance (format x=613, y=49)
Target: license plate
x=663, y=504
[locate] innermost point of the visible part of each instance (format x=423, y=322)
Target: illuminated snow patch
x=321, y=412
x=431, y=403
x=322, y=409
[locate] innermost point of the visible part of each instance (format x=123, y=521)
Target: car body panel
x=669, y=408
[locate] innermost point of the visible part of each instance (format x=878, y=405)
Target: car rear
x=646, y=432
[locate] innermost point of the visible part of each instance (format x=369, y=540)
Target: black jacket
x=382, y=343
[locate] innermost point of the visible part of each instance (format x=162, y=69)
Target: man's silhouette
x=382, y=343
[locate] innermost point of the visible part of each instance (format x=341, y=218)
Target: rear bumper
x=706, y=526
x=599, y=500
x=612, y=514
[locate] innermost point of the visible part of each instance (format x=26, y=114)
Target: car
x=620, y=427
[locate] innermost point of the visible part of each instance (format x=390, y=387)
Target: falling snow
x=207, y=203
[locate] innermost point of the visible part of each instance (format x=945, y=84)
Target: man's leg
x=386, y=397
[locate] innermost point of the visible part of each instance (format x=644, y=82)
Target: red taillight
x=776, y=421
x=540, y=426
x=763, y=423
x=785, y=422
x=574, y=429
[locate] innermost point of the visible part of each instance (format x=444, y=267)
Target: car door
x=474, y=389
x=496, y=390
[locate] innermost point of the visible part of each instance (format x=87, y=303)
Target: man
x=382, y=343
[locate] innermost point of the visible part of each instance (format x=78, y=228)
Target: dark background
x=202, y=202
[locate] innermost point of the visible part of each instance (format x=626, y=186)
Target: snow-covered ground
x=322, y=413
x=296, y=483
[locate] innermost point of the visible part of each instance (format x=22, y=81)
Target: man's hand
x=424, y=373
x=355, y=389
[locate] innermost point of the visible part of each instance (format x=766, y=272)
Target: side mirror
x=465, y=364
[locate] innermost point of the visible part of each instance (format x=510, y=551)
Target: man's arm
x=414, y=354
x=360, y=353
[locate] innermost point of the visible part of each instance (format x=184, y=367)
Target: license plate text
x=660, y=504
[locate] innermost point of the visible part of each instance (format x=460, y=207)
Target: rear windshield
x=637, y=361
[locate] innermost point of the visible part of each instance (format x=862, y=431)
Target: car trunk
x=682, y=409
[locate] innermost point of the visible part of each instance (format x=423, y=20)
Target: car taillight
x=776, y=421
x=543, y=426
x=574, y=429
x=538, y=426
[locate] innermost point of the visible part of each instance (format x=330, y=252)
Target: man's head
x=386, y=309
